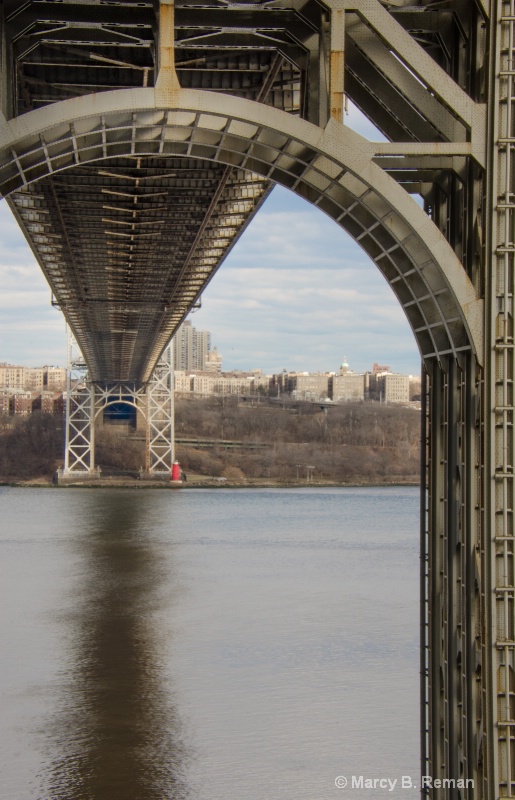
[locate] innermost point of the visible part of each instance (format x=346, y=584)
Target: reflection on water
x=117, y=737
x=209, y=645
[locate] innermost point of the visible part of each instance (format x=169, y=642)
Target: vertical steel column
x=435, y=575
x=500, y=404
x=5, y=88
x=79, y=455
x=424, y=577
x=472, y=632
x=160, y=453
x=449, y=587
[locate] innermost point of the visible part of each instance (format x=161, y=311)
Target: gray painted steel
x=138, y=140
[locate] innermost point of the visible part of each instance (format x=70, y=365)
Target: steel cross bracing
x=80, y=416
x=87, y=400
x=160, y=449
x=141, y=137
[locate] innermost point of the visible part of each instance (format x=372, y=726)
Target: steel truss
x=160, y=417
x=86, y=400
x=499, y=402
x=79, y=453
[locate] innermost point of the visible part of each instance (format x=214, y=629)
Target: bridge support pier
x=453, y=646
x=160, y=438
x=86, y=400
x=79, y=448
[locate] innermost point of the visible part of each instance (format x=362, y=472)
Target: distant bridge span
x=138, y=139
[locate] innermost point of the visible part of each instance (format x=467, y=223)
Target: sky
x=296, y=293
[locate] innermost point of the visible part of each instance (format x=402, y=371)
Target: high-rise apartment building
x=190, y=347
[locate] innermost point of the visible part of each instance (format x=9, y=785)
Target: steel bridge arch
x=332, y=168
x=114, y=402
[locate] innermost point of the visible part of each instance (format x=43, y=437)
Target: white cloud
x=299, y=236
x=31, y=331
x=297, y=292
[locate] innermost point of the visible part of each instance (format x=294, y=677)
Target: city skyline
x=295, y=292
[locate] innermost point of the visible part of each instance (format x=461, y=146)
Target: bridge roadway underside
x=137, y=139
x=128, y=244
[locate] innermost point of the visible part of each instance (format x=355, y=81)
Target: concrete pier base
x=77, y=476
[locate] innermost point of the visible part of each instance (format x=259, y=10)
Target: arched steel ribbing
x=140, y=139
x=333, y=168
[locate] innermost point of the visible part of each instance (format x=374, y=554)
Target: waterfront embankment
x=239, y=443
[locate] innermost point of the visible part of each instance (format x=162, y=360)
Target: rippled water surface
x=211, y=644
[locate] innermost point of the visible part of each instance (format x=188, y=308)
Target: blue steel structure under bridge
x=137, y=139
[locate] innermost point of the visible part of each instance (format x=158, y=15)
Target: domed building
x=345, y=369
x=347, y=385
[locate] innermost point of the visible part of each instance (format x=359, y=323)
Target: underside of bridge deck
x=128, y=245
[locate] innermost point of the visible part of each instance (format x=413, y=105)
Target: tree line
x=343, y=443
x=30, y=446
x=352, y=442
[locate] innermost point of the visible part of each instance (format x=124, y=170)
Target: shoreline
x=202, y=483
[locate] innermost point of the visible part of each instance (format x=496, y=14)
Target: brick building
x=308, y=385
x=348, y=387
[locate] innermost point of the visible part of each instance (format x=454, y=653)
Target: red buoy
x=176, y=471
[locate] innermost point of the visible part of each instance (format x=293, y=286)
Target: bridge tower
x=137, y=140
x=86, y=401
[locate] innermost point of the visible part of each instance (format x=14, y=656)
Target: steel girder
x=437, y=80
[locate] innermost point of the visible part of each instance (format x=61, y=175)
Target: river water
x=208, y=644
